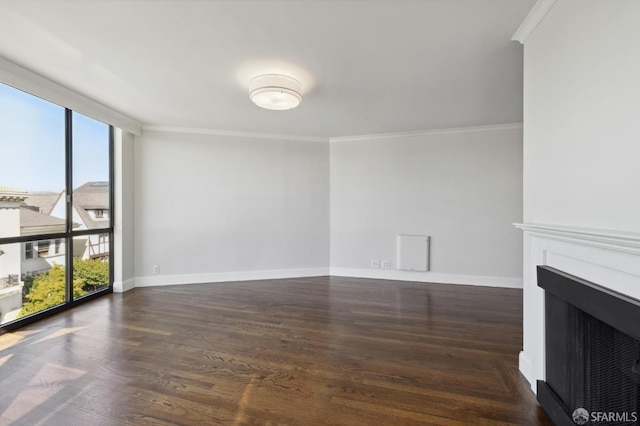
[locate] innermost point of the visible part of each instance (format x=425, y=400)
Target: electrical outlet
x=385, y=264
x=156, y=269
x=375, y=263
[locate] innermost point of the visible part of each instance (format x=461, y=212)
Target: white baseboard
x=429, y=277
x=217, y=277
x=526, y=368
x=386, y=274
x=122, y=286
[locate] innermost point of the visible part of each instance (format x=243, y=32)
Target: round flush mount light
x=275, y=91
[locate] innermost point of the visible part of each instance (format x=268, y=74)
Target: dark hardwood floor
x=296, y=351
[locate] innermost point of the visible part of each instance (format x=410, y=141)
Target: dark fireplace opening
x=592, y=352
x=602, y=366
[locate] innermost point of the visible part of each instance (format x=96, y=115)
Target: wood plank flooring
x=306, y=351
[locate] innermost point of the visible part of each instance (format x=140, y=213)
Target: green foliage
x=27, y=279
x=48, y=291
x=93, y=272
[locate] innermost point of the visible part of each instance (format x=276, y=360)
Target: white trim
x=628, y=242
x=216, y=277
x=28, y=81
x=429, y=277
x=533, y=19
x=383, y=136
x=231, y=133
x=526, y=368
x=123, y=286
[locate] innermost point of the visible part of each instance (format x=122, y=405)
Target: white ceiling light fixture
x=275, y=91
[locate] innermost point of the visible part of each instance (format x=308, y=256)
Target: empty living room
x=319, y=212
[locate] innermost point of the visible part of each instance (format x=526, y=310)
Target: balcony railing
x=10, y=280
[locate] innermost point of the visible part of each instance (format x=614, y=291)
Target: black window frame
x=69, y=233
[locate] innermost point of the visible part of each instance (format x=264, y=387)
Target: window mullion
x=112, y=183
x=69, y=204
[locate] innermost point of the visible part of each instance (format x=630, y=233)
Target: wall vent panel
x=413, y=252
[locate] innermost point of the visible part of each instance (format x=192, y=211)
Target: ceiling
x=367, y=67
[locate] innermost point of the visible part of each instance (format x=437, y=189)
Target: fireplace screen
x=592, y=352
x=602, y=367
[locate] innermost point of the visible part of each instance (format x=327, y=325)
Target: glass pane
x=90, y=263
x=32, y=278
x=32, y=171
x=91, y=209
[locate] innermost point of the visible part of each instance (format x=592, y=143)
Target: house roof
x=12, y=194
x=91, y=196
x=31, y=219
x=44, y=201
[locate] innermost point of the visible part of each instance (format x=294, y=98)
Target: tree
x=27, y=278
x=48, y=290
x=93, y=272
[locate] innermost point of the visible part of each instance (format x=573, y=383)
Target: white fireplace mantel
x=613, y=240
x=607, y=258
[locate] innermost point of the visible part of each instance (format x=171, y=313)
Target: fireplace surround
x=608, y=258
x=592, y=352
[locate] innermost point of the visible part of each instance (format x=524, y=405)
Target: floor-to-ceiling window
x=56, y=203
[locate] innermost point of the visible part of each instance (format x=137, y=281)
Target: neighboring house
x=44, y=201
x=39, y=256
x=36, y=219
x=91, y=211
x=22, y=214
x=10, y=254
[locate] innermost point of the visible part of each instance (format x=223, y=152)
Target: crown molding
x=28, y=81
x=382, y=136
x=231, y=133
x=399, y=135
x=533, y=19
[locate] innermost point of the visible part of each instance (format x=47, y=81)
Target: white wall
x=124, y=215
x=10, y=259
x=128, y=206
x=213, y=208
x=10, y=218
x=581, y=151
x=10, y=227
x=582, y=109
x=461, y=187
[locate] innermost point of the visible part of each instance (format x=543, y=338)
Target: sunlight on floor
x=9, y=340
x=5, y=358
x=50, y=380
x=61, y=332
x=244, y=402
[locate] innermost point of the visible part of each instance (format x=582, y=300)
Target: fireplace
x=592, y=352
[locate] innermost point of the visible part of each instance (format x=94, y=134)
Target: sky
x=32, y=154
